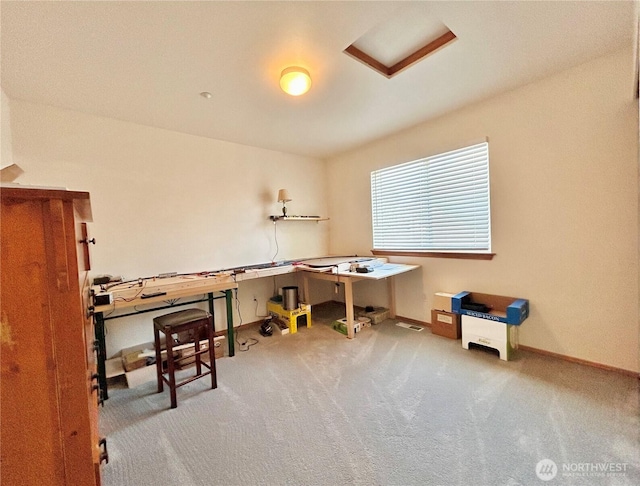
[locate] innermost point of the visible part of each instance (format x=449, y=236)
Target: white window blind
x=440, y=203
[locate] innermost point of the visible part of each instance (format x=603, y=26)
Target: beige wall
x=6, y=155
x=164, y=201
x=564, y=206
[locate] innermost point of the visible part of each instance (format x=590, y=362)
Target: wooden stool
x=194, y=322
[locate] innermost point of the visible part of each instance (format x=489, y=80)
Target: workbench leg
x=212, y=311
x=391, y=285
x=101, y=352
x=305, y=289
x=228, y=297
x=348, y=300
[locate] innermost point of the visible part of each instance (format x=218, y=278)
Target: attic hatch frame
x=411, y=59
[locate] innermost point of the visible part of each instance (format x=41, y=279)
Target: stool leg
x=156, y=336
x=196, y=347
x=171, y=368
x=212, y=355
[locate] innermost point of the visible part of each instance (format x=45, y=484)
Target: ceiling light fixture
x=295, y=81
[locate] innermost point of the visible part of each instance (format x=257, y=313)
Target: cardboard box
x=378, y=315
x=187, y=351
x=445, y=324
x=508, y=310
x=145, y=374
x=132, y=358
x=491, y=334
x=341, y=325
x=442, y=301
x=140, y=360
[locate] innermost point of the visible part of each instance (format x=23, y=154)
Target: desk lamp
x=283, y=197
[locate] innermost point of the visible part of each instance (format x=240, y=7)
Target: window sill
x=434, y=254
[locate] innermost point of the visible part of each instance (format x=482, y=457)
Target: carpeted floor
x=391, y=407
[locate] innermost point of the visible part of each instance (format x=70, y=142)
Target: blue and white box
x=497, y=328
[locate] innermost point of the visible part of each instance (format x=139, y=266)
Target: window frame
x=435, y=252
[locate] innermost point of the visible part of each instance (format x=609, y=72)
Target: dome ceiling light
x=295, y=81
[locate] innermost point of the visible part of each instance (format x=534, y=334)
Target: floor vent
x=413, y=327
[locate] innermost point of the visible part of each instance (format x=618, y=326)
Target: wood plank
x=175, y=288
x=411, y=59
x=114, y=367
x=423, y=52
x=366, y=59
x=434, y=254
x=33, y=193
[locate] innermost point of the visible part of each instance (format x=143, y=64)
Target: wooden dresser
x=48, y=389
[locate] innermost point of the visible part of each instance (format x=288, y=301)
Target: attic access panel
x=401, y=41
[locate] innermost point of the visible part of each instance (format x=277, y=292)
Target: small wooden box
x=132, y=358
x=377, y=315
x=442, y=301
x=445, y=324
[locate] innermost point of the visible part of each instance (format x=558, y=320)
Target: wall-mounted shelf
x=278, y=217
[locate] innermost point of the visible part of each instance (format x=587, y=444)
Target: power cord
x=256, y=311
x=275, y=237
x=242, y=345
